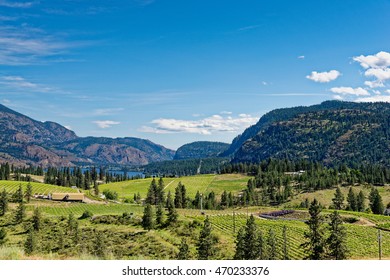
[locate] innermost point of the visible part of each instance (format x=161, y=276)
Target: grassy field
x=40, y=188
x=202, y=183
x=325, y=196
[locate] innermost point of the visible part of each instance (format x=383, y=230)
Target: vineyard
x=362, y=240
x=40, y=188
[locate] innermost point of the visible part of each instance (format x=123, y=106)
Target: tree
x=147, y=219
x=96, y=188
x=172, y=213
x=20, y=213
x=240, y=245
x=151, y=197
x=184, y=252
x=28, y=192
x=159, y=215
x=271, y=245
x=99, y=248
x=351, y=200
x=338, y=199
x=360, y=205
x=36, y=219
x=71, y=223
x=251, y=252
x=3, y=236
x=3, y=202
x=18, y=195
x=315, y=244
x=376, y=203
x=285, y=244
x=30, y=244
x=261, y=251
x=336, y=242
x=206, y=242
x=160, y=191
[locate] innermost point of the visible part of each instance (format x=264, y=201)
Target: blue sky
x=180, y=71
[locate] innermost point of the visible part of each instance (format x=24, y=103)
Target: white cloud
x=264, y=83
x=15, y=4
x=379, y=60
x=206, y=126
x=374, y=84
x=379, y=73
x=22, y=84
x=376, y=98
x=388, y=91
x=301, y=57
x=323, y=77
x=105, y=124
x=338, y=97
x=350, y=91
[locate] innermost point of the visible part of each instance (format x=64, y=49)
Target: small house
x=73, y=197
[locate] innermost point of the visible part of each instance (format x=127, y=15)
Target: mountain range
x=332, y=132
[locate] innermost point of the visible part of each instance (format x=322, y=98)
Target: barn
x=73, y=197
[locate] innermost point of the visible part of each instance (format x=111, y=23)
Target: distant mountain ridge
x=332, y=132
x=200, y=149
x=27, y=141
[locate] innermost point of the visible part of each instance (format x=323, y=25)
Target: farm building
x=77, y=197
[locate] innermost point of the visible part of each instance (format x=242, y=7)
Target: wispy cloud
x=323, y=77
x=16, y=4
x=301, y=57
x=375, y=98
x=105, y=124
x=107, y=111
x=206, y=126
x=21, y=84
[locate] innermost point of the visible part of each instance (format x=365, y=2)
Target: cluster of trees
x=252, y=244
x=356, y=202
x=320, y=245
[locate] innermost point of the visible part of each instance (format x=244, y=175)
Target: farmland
x=128, y=240
x=202, y=183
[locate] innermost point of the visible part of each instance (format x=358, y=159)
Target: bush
x=87, y=214
x=110, y=195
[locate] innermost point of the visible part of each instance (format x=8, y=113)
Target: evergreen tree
x=3, y=202
x=224, y=200
x=159, y=215
x=184, y=252
x=360, y=205
x=261, y=250
x=338, y=199
x=151, y=197
x=96, y=188
x=179, y=196
x=28, y=192
x=18, y=195
x=160, y=198
x=3, y=236
x=271, y=245
x=285, y=244
x=30, y=244
x=376, y=203
x=251, y=252
x=315, y=244
x=71, y=223
x=336, y=242
x=147, y=219
x=37, y=219
x=99, y=248
x=172, y=212
x=351, y=200
x=240, y=245
x=20, y=213
x=206, y=242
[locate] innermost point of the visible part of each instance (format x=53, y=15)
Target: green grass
x=202, y=183
x=12, y=186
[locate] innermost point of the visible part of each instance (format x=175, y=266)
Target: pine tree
x=271, y=245
x=160, y=197
x=184, y=252
x=338, y=199
x=159, y=215
x=360, y=205
x=178, y=196
x=96, y=188
x=285, y=244
x=376, y=203
x=151, y=197
x=336, y=242
x=351, y=200
x=3, y=202
x=28, y=192
x=36, y=219
x=147, y=219
x=315, y=244
x=3, y=236
x=20, y=213
x=261, y=251
x=251, y=252
x=206, y=242
x=71, y=223
x=172, y=213
x=99, y=248
x=18, y=195
x=30, y=244
x=240, y=245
